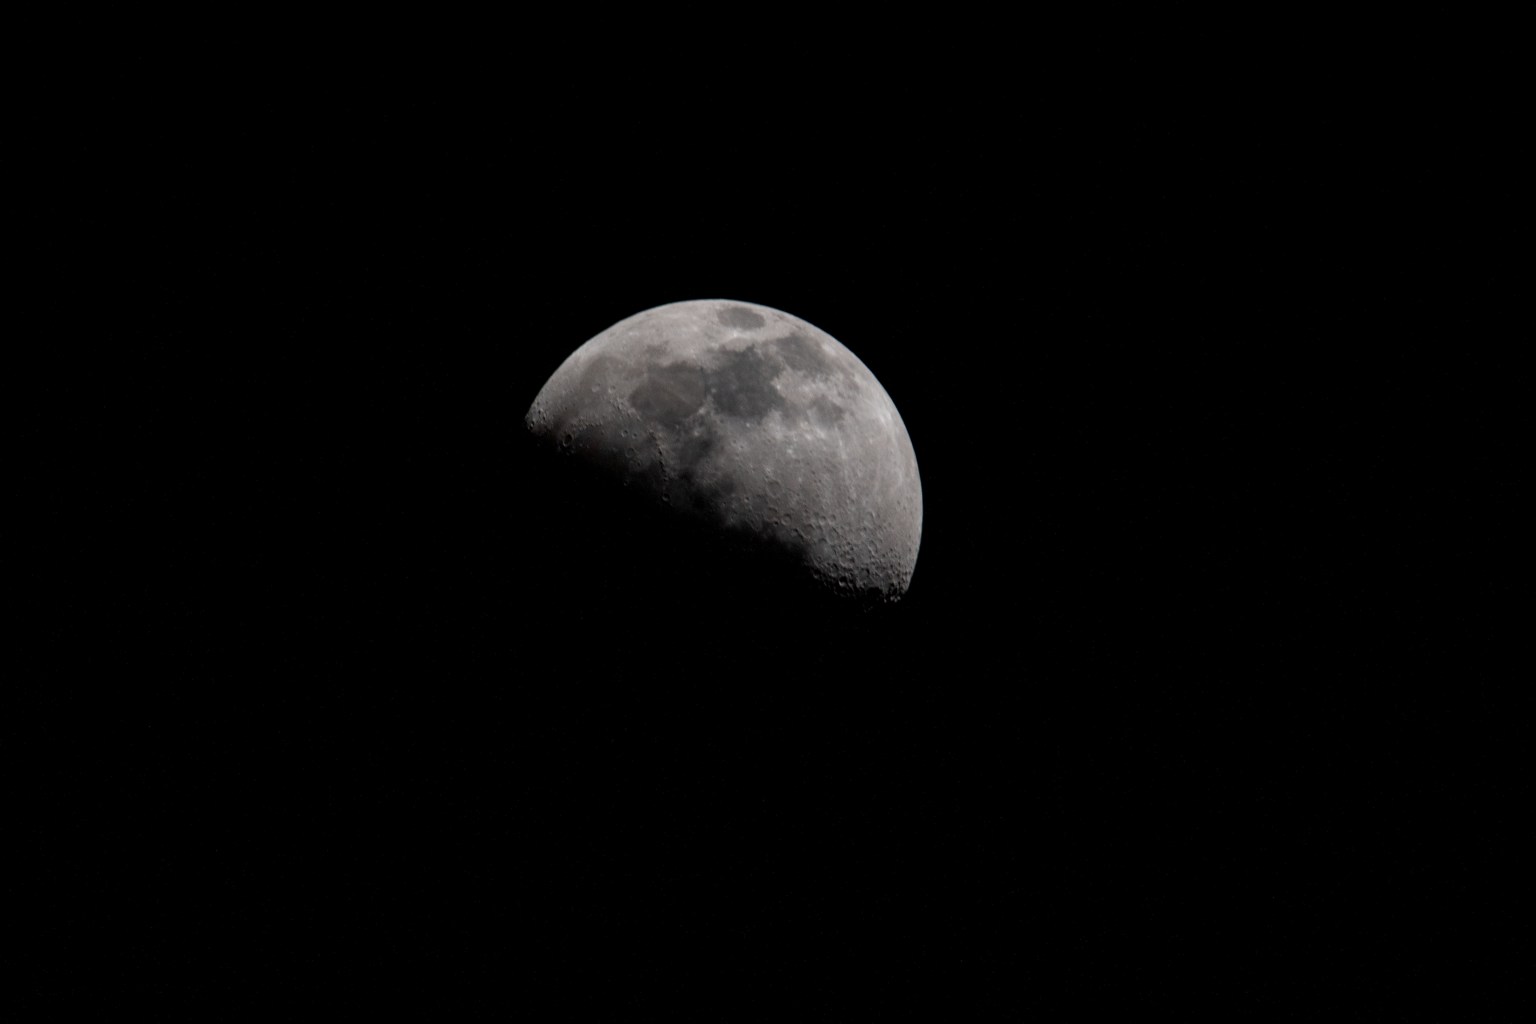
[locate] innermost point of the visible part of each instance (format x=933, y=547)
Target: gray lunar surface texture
x=755, y=423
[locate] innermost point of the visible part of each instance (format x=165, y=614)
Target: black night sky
x=341, y=711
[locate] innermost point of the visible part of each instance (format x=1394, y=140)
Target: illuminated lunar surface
x=751, y=423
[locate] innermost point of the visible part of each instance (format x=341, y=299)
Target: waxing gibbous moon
x=753, y=424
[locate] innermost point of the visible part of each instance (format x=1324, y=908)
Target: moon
x=752, y=424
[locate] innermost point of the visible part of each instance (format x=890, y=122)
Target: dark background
x=340, y=708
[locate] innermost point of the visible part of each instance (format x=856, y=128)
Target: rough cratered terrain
x=754, y=422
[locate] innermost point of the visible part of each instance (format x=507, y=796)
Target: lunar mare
x=755, y=423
